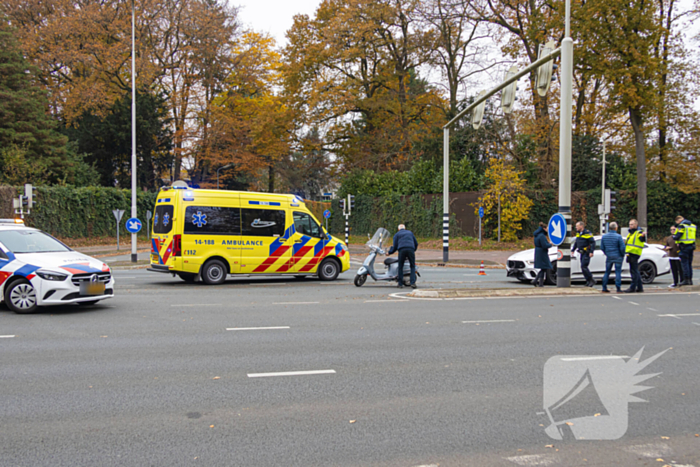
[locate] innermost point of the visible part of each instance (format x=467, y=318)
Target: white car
x=652, y=263
x=38, y=270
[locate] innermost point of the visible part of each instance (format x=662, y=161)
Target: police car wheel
x=328, y=270
x=648, y=272
x=21, y=297
x=214, y=272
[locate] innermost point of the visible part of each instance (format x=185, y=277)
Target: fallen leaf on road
x=549, y=445
x=211, y=426
x=597, y=415
x=665, y=437
x=216, y=377
x=569, y=423
x=353, y=421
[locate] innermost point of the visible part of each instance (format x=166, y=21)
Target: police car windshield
x=30, y=241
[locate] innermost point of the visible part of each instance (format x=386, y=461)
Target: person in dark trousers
x=634, y=244
x=585, y=244
x=685, y=237
x=672, y=250
x=542, y=262
x=613, y=247
x=406, y=244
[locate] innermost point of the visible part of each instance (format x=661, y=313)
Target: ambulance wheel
x=20, y=297
x=328, y=270
x=214, y=272
x=360, y=280
x=187, y=276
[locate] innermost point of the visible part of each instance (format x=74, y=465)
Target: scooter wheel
x=360, y=280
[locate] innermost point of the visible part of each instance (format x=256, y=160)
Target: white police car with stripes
x=38, y=270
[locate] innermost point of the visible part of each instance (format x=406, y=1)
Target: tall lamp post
x=134, y=254
x=217, y=173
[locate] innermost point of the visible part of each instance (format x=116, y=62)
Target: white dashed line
x=633, y=303
x=616, y=298
x=7, y=337
x=532, y=460
x=387, y=301
x=198, y=304
x=291, y=373
x=258, y=329
x=489, y=321
x=296, y=303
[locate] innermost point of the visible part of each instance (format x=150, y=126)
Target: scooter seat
x=389, y=261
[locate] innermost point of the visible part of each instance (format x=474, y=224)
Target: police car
x=38, y=270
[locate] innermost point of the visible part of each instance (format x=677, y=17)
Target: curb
x=462, y=266
x=467, y=293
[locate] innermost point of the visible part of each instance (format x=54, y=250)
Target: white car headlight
x=51, y=275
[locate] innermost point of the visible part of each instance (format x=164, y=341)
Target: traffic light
x=352, y=201
x=545, y=72
x=609, y=200
x=342, y=204
x=613, y=200
x=28, y=195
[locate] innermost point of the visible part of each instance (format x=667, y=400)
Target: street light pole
x=567, y=70
x=134, y=254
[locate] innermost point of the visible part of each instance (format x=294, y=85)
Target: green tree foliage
x=107, y=141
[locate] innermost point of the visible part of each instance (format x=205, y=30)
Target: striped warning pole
x=347, y=230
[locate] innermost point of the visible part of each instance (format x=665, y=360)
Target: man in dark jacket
x=585, y=244
x=406, y=244
x=634, y=244
x=542, y=262
x=614, y=248
x=685, y=237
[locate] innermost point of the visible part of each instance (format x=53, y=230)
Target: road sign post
x=481, y=215
x=556, y=228
x=327, y=215
x=133, y=226
x=149, y=216
x=118, y=213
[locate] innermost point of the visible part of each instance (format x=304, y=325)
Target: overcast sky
x=273, y=16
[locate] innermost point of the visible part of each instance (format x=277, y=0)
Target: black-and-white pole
x=347, y=229
x=446, y=196
x=567, y=71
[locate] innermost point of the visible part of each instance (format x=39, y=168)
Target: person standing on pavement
x=685, y=237
x=406, y=244
x=542, y=262
x=634, y=243
x=613, y=247
x=585, y=244
x=672, y=248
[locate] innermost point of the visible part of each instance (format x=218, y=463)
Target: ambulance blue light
x=188, y=196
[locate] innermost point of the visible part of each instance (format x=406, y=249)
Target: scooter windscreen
x=381, y=237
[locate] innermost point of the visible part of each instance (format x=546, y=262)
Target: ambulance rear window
x=163, y=220
x=210, y=220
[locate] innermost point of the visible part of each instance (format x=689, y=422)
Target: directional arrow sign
x=557, y=229
x=133, y=225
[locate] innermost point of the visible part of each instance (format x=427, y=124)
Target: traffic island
x=471, y=293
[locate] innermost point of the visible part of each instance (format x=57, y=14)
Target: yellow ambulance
x=208, y=234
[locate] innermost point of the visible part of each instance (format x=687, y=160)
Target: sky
x=273, y=16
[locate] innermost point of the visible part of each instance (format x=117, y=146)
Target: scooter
x=391, y=264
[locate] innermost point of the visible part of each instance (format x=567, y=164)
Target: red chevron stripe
x=271, y=260
x=169, y=250
x=315, y=260
x=298, y=255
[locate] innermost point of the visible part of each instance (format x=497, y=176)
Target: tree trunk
x=271, y=179
x=638, y=127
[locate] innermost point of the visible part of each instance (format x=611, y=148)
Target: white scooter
x=391, y=264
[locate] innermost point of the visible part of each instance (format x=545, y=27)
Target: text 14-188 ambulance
x=212, y=233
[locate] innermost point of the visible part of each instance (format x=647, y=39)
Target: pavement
x=277, y=371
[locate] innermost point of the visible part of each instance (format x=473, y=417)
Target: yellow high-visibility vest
x=687, y=234
x=633, y=244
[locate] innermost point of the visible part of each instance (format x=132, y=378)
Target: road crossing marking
x=258, y=328
x=489, y=321
x=291, y=373
x=532, y=459
x=7, y=337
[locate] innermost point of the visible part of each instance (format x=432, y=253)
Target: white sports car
x=38, y=270
x=652, y=263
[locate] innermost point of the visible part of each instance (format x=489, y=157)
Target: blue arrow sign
x=481, y=212
x=327, y=214
x=557, y=229
x=133, y=225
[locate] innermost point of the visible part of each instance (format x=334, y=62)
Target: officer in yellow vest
x=685, y=238
x=633, y=248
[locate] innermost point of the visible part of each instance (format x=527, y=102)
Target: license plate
x=154, y=259
x=92, y=288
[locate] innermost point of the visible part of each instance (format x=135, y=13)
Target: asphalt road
x=170, y=374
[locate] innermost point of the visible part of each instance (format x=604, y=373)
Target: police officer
x=685, y=237
x=634, y=243
x=585, y=244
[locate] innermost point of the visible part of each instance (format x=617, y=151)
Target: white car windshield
x=30, y=241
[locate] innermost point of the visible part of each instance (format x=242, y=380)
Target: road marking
x=291, y=373
x=296, y=303
x=600, y=357
x=489, y=321
x=633, y=303
x=678, y=315
x=386, y=301
x=616, y=298
x=697, y=324
x=257, y=329
x=650, y=450
x=653, y=309
x=265, y=285
x=532, y=459
x=7, y=337
x=198, y=304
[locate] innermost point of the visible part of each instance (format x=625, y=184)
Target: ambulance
x=208, y=234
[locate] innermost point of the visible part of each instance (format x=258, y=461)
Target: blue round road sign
x=557, y=229
x=327, y=214
x=481, y=212
x=133, y=225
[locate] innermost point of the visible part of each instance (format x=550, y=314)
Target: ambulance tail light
x=177, y=245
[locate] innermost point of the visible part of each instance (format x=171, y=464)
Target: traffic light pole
x=567, y=70
x=134, y=254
